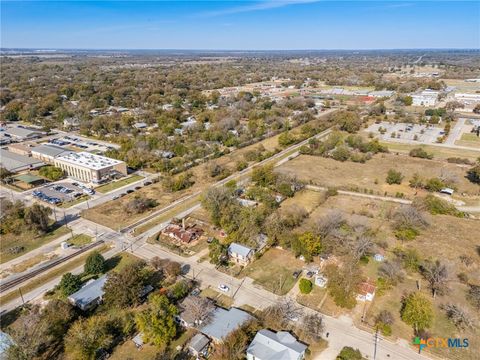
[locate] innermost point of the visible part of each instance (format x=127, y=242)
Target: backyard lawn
x=274, y=270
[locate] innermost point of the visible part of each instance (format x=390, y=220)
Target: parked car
x=116, y=197
x=296, y=274
x=129, y=191
x=147, y=183
x=223, y=287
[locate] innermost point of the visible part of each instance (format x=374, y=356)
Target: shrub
x=305, y=286
x=434, y=184
x=140, y=204
x=420, y=153
x=474, y=174
x=95, y=263
x=394, y=177
x=51, y=173
x=349, y=353
x=341, y=153
x=437, y=206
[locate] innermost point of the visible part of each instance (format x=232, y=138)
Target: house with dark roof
x=240, y=254
x=268, y=345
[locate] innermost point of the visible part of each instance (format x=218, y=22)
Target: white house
x=240, y=254
x=366, y=292
x=425, y=98
x=268, y=345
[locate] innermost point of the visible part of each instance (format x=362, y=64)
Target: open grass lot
x=112, y=213
x=118, y=184
x=57, y=271
x=307, y=199
x=468, y=139
x=28, y=240
x=128, y=350
x=221, y=299
x=461, y=85
x=79, y=240
x=358, y=177
x=439, y=152
x=274, y=270
x=75, y=202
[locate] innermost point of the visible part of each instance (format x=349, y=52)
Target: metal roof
x=16, y=162
x=223, y=322
x=50, y=150
x=198, y=342
x=89, y=293
x=239, y=249
x=268, y=345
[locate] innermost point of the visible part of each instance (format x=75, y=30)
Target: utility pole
x=376, y=342
x=21, y=295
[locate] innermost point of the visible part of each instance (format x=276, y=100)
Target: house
x=188, y=316
x=240, y=254
x=223, y=322
x=182, y=233
x=366, y=291
x=5, y=342
x=247, y=203
x=268, y=345
x=379, y=257
x=90, y=295
x=198, y=345
x=71, y=122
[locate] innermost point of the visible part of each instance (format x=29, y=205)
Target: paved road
x=455, y=132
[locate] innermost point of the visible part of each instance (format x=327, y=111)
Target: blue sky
x=255, y=25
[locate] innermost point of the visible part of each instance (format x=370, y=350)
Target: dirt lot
x=113, y=215
x=358, y=177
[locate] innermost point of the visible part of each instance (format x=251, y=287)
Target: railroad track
x=9, y=284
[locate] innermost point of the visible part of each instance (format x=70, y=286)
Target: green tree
x=417, y=311
x=157, y=322
x=308, y=245
x=394, y=177
x=52, y=173
x=474, y=174
x=69, y=284
x=95, y=264
x=123, y=289
x=264, y=175
x=86, y=336
x=349, y=353
x=305, y=286
x=217, y=252
x=37, y=218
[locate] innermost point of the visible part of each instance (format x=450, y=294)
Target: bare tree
x=327, y=224
x=282, y=314
x=313, y=327
x=459, y=316
x=437, y=276
x=473, y=295
x=408, y=216
x=392, y=271
x=448, y=177
x=200, y=308
x=362, y=246
x=384, y=317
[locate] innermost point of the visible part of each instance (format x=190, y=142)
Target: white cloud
x=263, y=5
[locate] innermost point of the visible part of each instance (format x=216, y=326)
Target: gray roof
x=242, y=250
x=198, y=342
x=16, y=162
x=50, y=150
x=5, y=342
x=223, y=322
x=22, y=132
x=268, y=345
x=89, y=293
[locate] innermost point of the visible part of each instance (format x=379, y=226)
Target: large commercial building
x=16, y=162
x=425, y=98
x=88, y=167
x=48, y=153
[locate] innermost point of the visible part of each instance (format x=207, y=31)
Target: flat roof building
x=89, y=167
x=16, y=162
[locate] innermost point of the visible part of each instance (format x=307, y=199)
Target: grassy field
x=79, y=240
x=39, y=281
x=118, y=184
x=112, y=213
x=28, y=240
x=469, y=139
x=221, y=299
x=439, y=152
x=371, y=175
x=274, y=270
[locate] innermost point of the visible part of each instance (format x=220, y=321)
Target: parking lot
x=424, y=134
x=63, y=192
x=77, y=143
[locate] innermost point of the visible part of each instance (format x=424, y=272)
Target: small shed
x=138, y=340
x=198, y=345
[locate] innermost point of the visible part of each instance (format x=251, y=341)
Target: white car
x=223, y=287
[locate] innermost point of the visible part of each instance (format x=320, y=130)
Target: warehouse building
x=48, y=153
x=16, y=162
x=88, y=167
